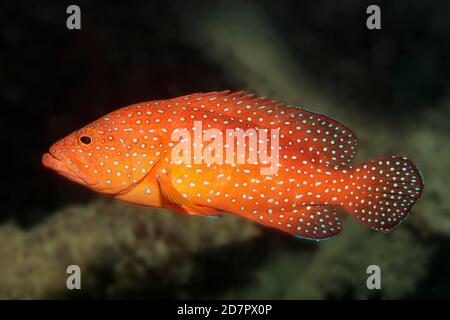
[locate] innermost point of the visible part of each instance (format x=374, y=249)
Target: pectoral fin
x=173, y=196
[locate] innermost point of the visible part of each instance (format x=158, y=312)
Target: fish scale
x=129, y=156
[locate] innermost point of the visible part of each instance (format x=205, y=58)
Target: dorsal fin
x=317, y=136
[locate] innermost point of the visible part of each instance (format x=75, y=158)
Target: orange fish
x=285, y=167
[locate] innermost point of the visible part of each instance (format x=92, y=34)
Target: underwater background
x=390, y=86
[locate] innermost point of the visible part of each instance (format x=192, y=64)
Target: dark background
x=390, y=86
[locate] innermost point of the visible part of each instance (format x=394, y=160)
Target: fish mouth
x=52, y=162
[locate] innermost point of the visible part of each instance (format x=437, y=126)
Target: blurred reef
x=391, y=87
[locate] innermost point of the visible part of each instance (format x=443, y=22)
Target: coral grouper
x=185, y=154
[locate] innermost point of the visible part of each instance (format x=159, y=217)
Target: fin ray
x=173, y=196
x=386, y=190
x=315, y=222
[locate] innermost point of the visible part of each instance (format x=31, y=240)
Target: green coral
x=121, y=249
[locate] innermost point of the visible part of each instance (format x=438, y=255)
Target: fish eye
x=85, y=140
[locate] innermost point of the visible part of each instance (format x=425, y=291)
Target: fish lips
x=52, y=162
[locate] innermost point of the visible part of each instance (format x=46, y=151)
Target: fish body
x=297, y=184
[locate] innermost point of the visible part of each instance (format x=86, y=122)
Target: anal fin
x=315, y=222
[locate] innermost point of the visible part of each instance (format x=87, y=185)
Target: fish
x=303, y=185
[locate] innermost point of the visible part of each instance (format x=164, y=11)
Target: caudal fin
x=383, y=191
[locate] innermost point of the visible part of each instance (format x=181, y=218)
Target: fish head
x=100, y=156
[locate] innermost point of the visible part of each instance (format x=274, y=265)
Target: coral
x=121, y=249
x=338, y=268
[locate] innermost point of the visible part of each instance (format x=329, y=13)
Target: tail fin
x=383, y=191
